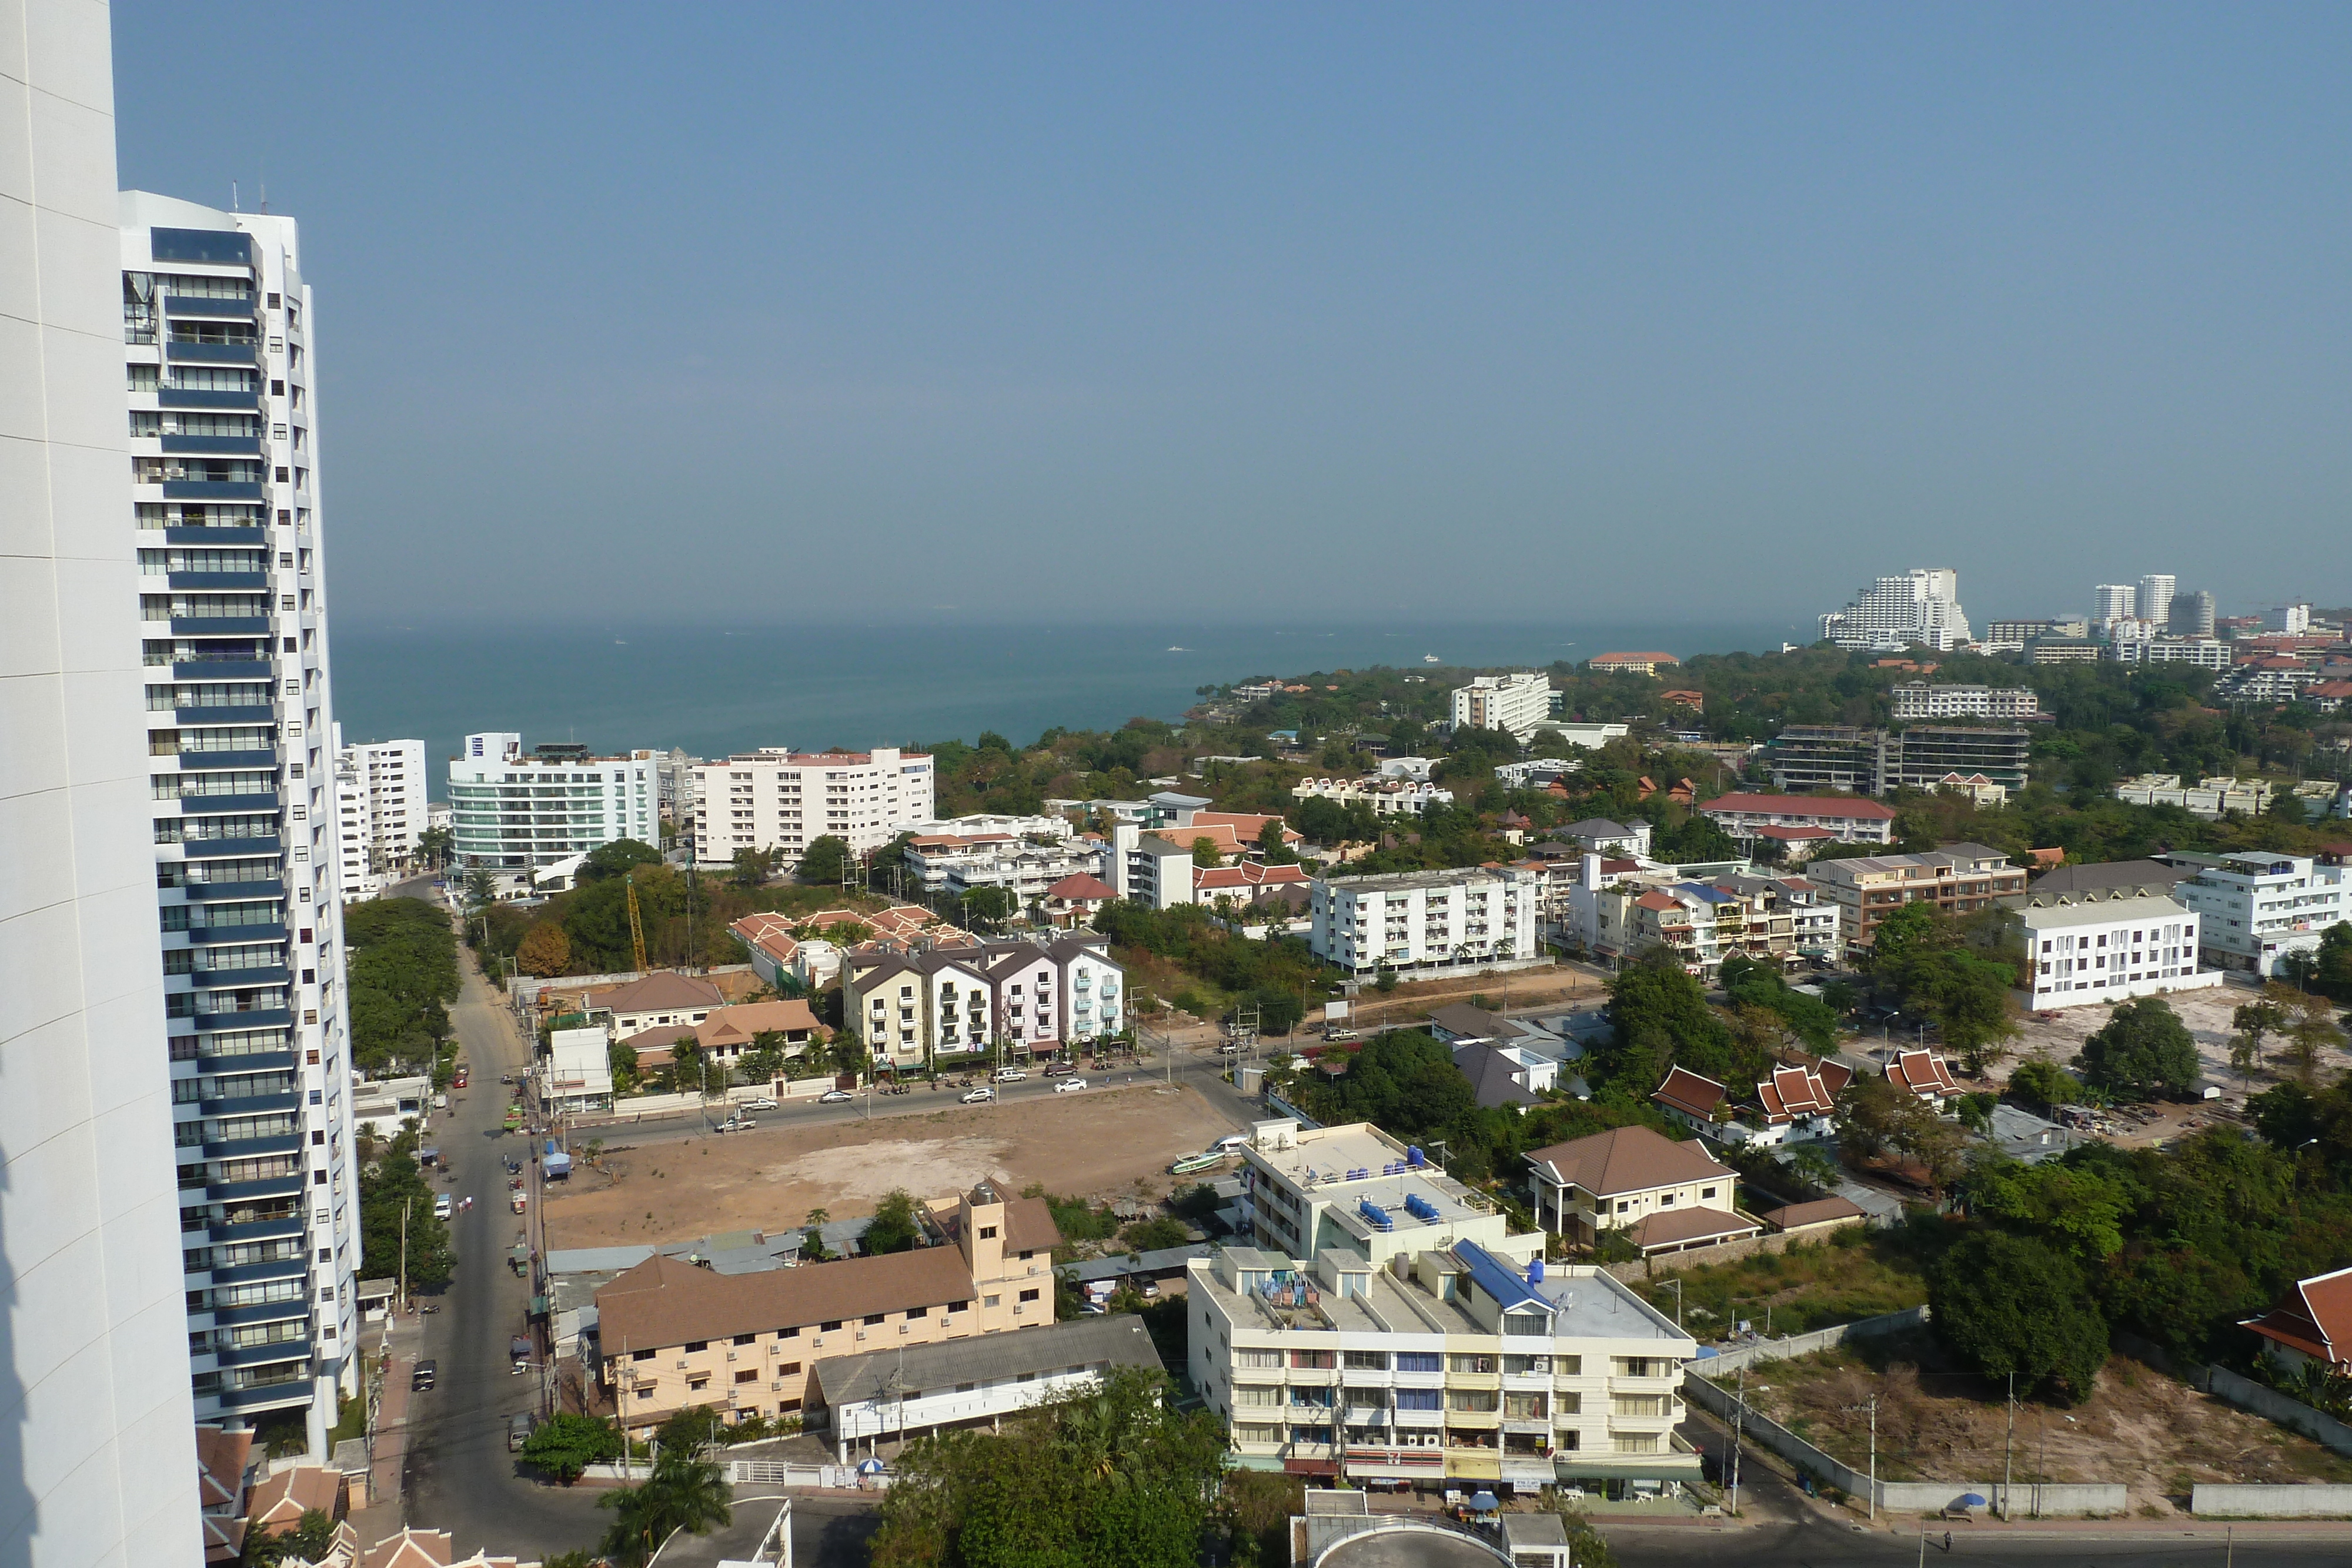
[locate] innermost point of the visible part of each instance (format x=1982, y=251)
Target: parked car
x=834, y=1097
x=441, y=1206
x=980, y=1096
x=761, y=1104
x=1060, y=1068
x=1067, y=1084
x=519, y=1431
x=1010, y=1075
x=422, y=1378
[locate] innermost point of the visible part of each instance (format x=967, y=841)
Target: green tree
x=402, y=972
x=766, y=1060
x=2075, y=1209
x=1271, y=847
x=615, y=859
x=753, y=866
x=2311, y=1028
x=824, y=861
x=1278, y=1012
x=894, y=1228
x=991, y=905
x=396, y=1186
x=567, y=1443
x=2265, y=1014
x=2038, y=1081
x=2145, y=1050
x=685, y=1492
x=435, y=846
x=481, y=890
x=2008, y=1304
x=1204, y=853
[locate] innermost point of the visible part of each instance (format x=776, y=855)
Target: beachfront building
x=379, y=810
x=1453, y=1366
x=1388, y=796
x=522, y=812
x=779, y=802
x=1922, y=606
x=1425, y=921
x=955, y=863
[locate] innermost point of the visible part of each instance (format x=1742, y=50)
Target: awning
x=1311, y=1467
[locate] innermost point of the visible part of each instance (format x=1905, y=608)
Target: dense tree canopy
x=403, y=972
x=2008, y=1303
x=2144, y=1050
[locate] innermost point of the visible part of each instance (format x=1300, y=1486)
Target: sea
x=717, y=690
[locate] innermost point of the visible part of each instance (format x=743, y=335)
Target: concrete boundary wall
x=2243, y=1392
x=1807, y=1344
x=2236, y=1501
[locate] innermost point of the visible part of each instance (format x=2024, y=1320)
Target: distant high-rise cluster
x=1922, y=606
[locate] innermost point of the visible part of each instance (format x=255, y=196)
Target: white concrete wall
x=96, y=1424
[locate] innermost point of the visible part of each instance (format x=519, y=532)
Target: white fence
x=1798, y=1344
x=2228, y=1499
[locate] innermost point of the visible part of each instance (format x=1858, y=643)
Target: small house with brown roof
x=2313, y=1323
x=728, y=1033
x=1668, y=1197
x=1074, y=899
x=1796, y=1104
x=664, y=997
x=1691, y=1100
x=278, y=1502
x=1923, y=1073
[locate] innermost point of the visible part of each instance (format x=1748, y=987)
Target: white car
x=1067, y=1084
x=980, y=1096
x=761, y=1104
x=834, y=1097
x=1010, y=1075
x=441, y=1205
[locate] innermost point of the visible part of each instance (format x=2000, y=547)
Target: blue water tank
x=1534, y=1270
x=1416, y=1157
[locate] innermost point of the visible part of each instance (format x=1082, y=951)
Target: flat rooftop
x=1406, y=881
x=1590, y=1304
x=1323, y=1163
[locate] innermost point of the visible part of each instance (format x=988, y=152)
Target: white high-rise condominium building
x=2155, y=599
x=776, y=800
x=217, y=327
x=1519, y=704
x=1922, y=606
x=2113, y=601
x=517, y=813
x=100, y=1460
x=379, y=808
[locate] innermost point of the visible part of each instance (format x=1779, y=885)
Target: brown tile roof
x=2315, y=1318
x=1630, y=1159
x=1670, y=1226
x=662, y=989
x=1834, y=1075
x=224, y=1538
x=1687, y=1092
x=732, y=1029
x=411, y=1548
x=661, y=1037
x=1794, y=1091
x=1819, y=1211
x=1923, y=1073
x=1081, y=885
x=663, y=1302
x=221, y=1459
x=280, y=1502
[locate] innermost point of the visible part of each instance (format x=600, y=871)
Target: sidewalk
x=390, y=1458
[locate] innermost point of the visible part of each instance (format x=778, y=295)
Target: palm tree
x=685, y=1492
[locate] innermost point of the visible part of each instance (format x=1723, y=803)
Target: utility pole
x=404, y=1207
x=1677, y=1283
x=2009, y=1448
x=1738, y=1423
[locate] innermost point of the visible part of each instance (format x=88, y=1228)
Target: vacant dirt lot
x=1099, y=1145
x=2140, y=1428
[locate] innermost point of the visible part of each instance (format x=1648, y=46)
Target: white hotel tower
x=217, y=328
x=97, y=1432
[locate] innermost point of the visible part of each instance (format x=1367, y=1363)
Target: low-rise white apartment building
x=1308, y=1190
x=2212, y=798
x=2106, y=945
x=1851, y=818
x=2204, y=653
x=1046, y=827
x=1520, y=704
x=1387, y=797
x=2255, y=908
x=1453, y=1366
x=1428, y=921
x=516, y=811
x=780, y=802
x=955, y=863
x=1923, y=699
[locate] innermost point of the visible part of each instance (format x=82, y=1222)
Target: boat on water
x=1431, y=659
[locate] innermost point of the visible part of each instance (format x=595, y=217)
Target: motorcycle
x=430, y=1307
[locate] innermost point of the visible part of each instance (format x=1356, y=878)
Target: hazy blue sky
x=765, y=313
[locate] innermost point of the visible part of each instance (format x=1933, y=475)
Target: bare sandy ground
x=1103, y=1143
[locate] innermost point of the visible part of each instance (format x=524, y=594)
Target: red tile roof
x=1081, y=886
x=2315, y=1318
x=1923, y=1073
x=1792, y=1093
x=1687, y=1092
x=1670, y=1226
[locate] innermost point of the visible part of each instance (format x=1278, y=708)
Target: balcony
x=196, y=716
x=242, y=1061
x=253, y=1148
x=287, y=1185
x=197, y=761
x=192, y=800
x=263, y=1355
x=176, y=397
x=218, y=625
x=214, y=581
x=211, y=353
x=231, y=669
x=212, y=445
x=257, y=1018
x=294, y=1391
x=251, y=1104
x=293, y=1267
x=257, y=1230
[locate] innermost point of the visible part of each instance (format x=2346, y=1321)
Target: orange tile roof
x=2315, y=1318
x=1922, y=1074
x=1687, y=1092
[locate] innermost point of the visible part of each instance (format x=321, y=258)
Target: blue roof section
x=1711, y=894
x=1506, y=1285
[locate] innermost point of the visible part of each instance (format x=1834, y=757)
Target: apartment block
x=1451, y=1366
x=1703, y=921
x=379, y=810
x=1354, y=1188
x=1519, y=704
x=1848, y=819
x=518, y=811
x=1880, y=761
x=780, y=801
x=2106, y=944
x=1916, y=700
x=1387, y=797
x=217, y=328
x=102, y=1424
x=955, y=863
x=1427, y=921
x=2212, y=798
x=672, y=1336
x=2204, y=653
x=914, y=1008
x=2255, y=908
x=1958, y=879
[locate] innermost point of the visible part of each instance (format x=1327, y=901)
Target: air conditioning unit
x=731, y=1355
x=681, y=1365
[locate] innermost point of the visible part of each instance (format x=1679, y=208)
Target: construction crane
x=637, y=930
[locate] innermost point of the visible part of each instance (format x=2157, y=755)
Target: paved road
x=460, y=1475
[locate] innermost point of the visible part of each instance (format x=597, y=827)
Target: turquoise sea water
x=715, y=690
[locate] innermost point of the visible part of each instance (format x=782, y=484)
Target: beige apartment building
x=1959, y=879
x=671, y=1334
